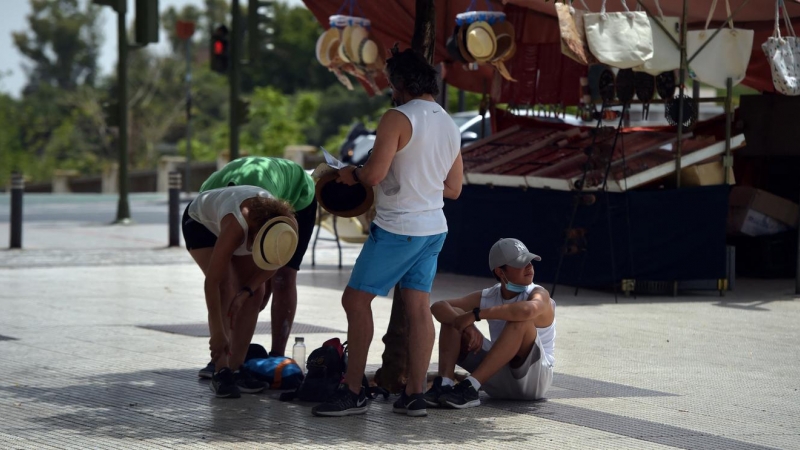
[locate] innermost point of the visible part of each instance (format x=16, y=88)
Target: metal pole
x=235, y=63
x=461, y=100
x=17, y=188
x=188, y=171
x=797, y=270
x=174, y=208
x=682, y=78
x=727, y=163
x=123, y=208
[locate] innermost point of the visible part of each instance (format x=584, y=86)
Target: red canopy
x=538, y=34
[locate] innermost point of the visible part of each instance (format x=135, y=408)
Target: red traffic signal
x=219, y=49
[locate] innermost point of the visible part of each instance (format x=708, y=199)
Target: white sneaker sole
x=411, y=413
x=471, y=404
x=347, y=412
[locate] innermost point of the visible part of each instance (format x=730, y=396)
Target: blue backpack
x=280, y=372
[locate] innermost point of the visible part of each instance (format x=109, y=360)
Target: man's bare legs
x=422, y=333
x=284, y=306
x=515, y=343
x=358, y=306
x=202, y=257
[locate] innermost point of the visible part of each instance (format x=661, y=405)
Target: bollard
x=174, y=208
x=17, y=188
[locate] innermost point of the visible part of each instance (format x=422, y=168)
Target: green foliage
x=472, y=100
x=62, y=44
x=60, y=121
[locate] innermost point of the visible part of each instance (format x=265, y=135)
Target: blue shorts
x=389, y=258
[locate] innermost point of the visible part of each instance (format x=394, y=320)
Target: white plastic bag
x=621, y=39
x=666, y=52
x=783, y=54
x=725, y=56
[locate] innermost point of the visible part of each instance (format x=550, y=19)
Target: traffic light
x=260, y=27
x=219, y=49
x=146, y=22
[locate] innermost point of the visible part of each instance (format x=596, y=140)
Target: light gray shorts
x=530, y=381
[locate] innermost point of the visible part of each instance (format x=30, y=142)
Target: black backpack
x=325, y=370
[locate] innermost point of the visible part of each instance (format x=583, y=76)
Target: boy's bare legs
x=515, y=343
x=358, y=306
x=449, y=348
x=422, y=333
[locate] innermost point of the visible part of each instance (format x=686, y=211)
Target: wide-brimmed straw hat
x=481, y=42
x=275, y=243
x=342, y=200
x=326, y=41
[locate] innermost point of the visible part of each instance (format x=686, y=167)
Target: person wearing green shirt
x=288, y=181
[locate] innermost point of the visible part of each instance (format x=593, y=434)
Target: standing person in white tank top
x=517, y=362
x=416, y=164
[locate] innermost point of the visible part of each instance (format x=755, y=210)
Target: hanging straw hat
x=275, y=243
x=326, y=41
x=342, y=200
x=462, y=44
x=505, y=39
x=481, y=41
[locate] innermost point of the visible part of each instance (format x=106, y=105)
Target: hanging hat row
x=483, y=37
x=348, y=46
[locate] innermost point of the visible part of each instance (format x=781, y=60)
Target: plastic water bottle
x=299, y=353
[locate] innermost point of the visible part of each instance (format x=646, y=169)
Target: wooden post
x=392, y=374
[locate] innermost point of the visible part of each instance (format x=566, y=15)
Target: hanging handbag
x=666, y=52
x=783, y=54
x=573, y=34
x=621, y=39
x=725, y=56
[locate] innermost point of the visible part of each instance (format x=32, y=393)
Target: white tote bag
x=725, y=56
x=783, y=54
x=621, y=39
x=666, y=52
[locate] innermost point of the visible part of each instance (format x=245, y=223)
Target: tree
x=62, y=42
x=292, y=64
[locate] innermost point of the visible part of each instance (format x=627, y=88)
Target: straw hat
x=462, y=44
x=325, y=42
x=505, y=37
x=342, y=200
x=481, y=41
x=275, y=243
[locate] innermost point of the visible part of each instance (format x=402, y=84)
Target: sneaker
x=343, y=402
x=207, y=371
x=247, y=383
x=435, y=392
x=413, y=405
x=223, y=385
x=464, y=395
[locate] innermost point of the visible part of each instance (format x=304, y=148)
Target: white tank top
x=493, y=297
x=211, y=206
x=409, y=199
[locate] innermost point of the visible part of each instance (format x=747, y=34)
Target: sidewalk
x=86, y=367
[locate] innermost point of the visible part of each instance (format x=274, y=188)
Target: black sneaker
x=413, y=405
x=247, y=383
x=343, y=402
x=435, y=392
x=207, y=371
x=223, y=385
x=464, y=395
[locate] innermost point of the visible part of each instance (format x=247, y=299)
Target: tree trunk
x=392, y=374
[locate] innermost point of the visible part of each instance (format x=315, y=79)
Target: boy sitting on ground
x=517, y=363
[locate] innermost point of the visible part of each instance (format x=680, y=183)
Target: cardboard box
x=706, y=174
x=754, y=212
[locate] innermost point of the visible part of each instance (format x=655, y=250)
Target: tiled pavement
x=80, y=369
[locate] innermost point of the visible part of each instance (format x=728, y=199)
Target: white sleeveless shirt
x=410, y=199
x=211, y=206
x=493, y=297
